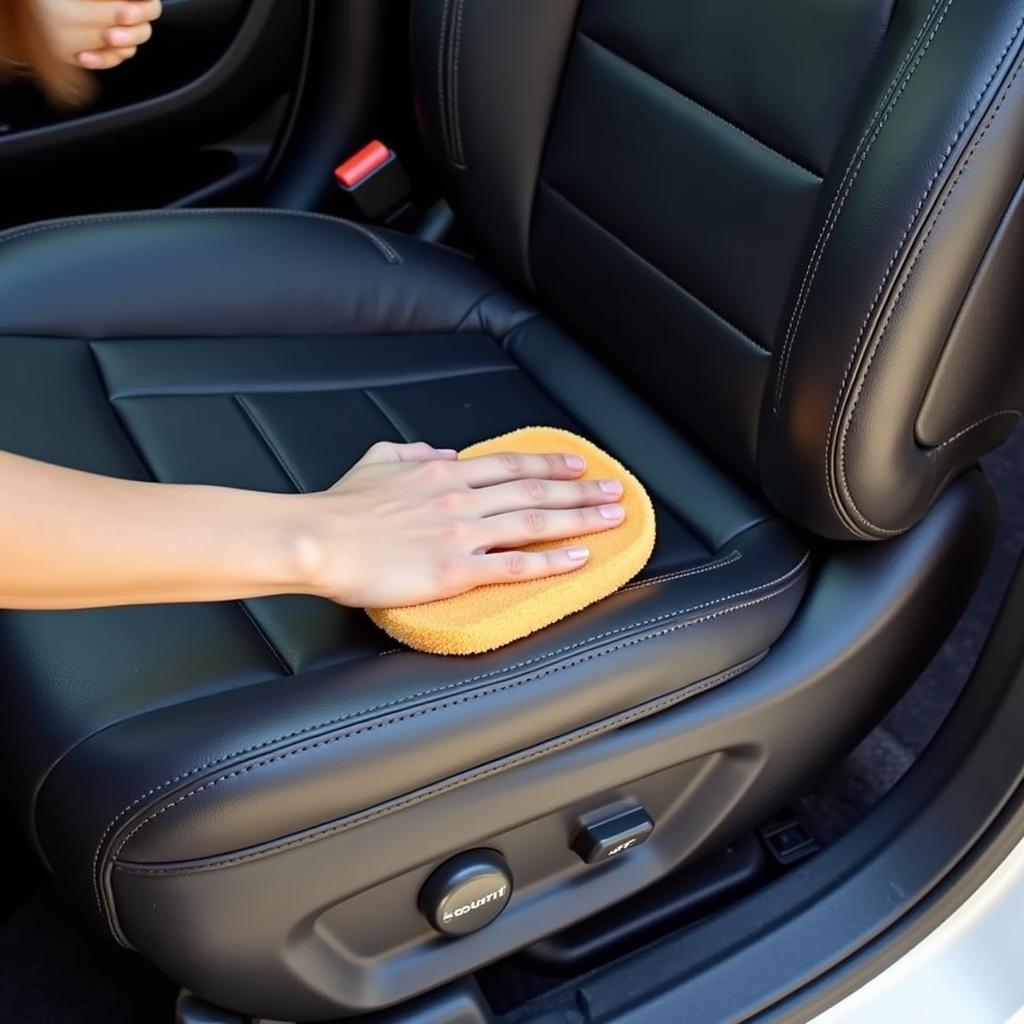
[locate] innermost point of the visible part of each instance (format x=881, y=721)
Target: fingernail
x=578, y=554
x=451, y=452
x=118, y=37
x=612, y=511
x=610, y=486
x=88, y=60
x=575, y=463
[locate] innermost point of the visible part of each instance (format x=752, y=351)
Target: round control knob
x=467, y=892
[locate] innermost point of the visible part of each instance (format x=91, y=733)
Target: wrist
x=314, y=533
x=300, y=544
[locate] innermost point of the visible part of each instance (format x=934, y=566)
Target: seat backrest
x=794, y=225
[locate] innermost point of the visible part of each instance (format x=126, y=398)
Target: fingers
x=121, y=36
x=102, y=13
x=518, y=495
x=112, y=32
x=487, y=470
x=105, y=59
x=516, y=529
x=419, y=451
x=137, y=13
x=513, y=567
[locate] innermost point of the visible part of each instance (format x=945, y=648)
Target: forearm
x=71, y=539
x=407, y=524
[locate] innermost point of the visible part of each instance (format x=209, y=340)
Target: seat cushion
x=268, y=351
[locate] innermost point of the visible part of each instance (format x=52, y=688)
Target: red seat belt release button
x=373, y=185
x=356, y=169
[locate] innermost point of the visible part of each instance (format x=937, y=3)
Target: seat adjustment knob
x=609, y=836
x=467, y=892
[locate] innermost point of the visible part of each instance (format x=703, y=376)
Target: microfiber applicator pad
x=495, y=615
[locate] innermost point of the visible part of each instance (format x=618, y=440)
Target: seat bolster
x=244, y=272
x=894, y=316
x=284, y=762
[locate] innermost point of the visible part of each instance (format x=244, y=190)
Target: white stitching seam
x=593, y=655
x=856, y=350
x=667, y=577
x=388, y=251
x=680, y=574
x=442, y=105
x=976, y=424
x=543, y=749
x=386, y=705
x=842, y=193
x=908, y=276
x=436, y=690
x=455, y=58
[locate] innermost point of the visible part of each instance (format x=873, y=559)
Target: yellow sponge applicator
x=495, y=615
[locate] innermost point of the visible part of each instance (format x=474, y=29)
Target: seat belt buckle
x=374, y=184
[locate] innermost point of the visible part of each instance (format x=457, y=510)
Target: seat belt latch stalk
x=374, y=184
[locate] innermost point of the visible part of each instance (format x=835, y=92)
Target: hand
x=411, y=523
x=96, y=34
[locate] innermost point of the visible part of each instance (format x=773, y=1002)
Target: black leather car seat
x=767, y=253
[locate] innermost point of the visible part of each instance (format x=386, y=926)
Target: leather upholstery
x=975, y=373
x=328, y=920
x=470, y=60
x=923, y=200
x=772, y=244
x=263, y=718
x=784, y=208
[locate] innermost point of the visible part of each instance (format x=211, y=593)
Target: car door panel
x=218, y=73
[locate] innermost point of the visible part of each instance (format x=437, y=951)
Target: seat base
x=336, y=929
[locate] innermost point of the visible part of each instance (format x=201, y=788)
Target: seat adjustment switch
x=607, y=837
x=467, y=892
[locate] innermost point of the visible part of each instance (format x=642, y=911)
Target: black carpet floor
x=882, y=758
x=55, y=969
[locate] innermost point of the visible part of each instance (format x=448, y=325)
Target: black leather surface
x=742, y=208
x=978, y=383
x=486, y=79
x=769, y=219
x=896, y=255
x=203, y=729
x=785, y=71
x=775, y=245
x=311, y=911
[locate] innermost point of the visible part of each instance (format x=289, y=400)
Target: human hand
x=410, y=523
x=96, y=34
